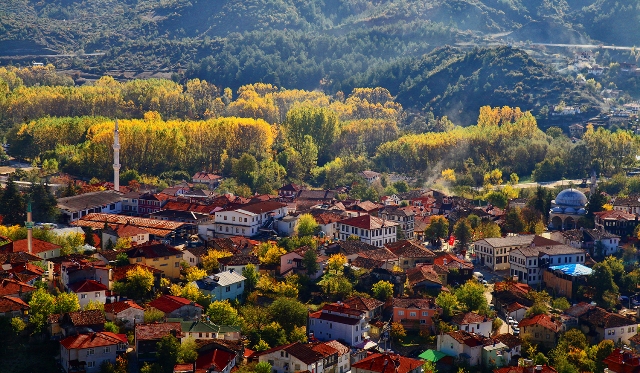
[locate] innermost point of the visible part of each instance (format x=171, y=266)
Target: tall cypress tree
x=13, y=207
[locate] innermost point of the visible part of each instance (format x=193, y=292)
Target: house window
x=176, y=264
x=239, y=285
x=400, y=313
x=83, y=296
x=412, y=314
x=91, y=351
x=107, y=350
x=228, y=289
x=97, y=295
x=91, y=364
x=423, y=321
x=138, y=259
x=425, y=313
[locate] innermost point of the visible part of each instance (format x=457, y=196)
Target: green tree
x=561, y=304
x=263, y=367
x=168, y=352
x=188, y=351
x=138, y=284
x=122, y=259
x=13, y=207
x=401, y=186
x=223, y=313
x=261, y=346
x=513, y=221
x=448, y=302
x=463, y=234
x=307, y=225
x=310, y=261
x=17, y=325
x=66, y=302
x=251, y=277
x=43, y=203
x=289, y=313
x=244, y=169
x=471, y=296
x=382, y=290
x=152, y=315
x=437, y=229
x=42, y=304
x=273, y=334
x=111, y=327
x=606, y=291
x=320, y=123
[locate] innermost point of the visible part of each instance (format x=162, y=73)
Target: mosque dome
x=571, y=198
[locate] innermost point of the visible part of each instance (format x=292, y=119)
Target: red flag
x=452, y=240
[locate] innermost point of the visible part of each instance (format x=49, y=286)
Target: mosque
x=569, y=206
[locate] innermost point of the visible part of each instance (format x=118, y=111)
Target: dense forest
x=263, y=135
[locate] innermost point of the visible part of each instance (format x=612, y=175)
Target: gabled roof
x=419, y=303
x=18, y=257
x=368, y=222
x=89, y=200
x=382, y=254
x=350, y=247
x=92, y=340
x=324, y=217
x=259, y=207
x=10, y=286
x=468, y=318
x=225, y=278
x=362, y=303
x=37, y=247
x=615, y=215
x=425, y=273
x=87, y=286
x=409, y=249
x=118, y=307
x=11, y=304
x=217, y=359
x=514, y=307
x=290, y=188
x=206, y=176
x=509, y=339
x=156, y=250
x=450, y=261
x=599, y=317
x=304, y=353
x=541, y=320
x=342, y=349
x=153, y=331
x=469, y=339
x=367, y=263
x=156, y=227
x=170, y=303
x=79, y=318
x=387, y=363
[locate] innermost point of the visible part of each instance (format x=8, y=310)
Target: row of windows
x=413, y=314
x=84, y=296
x=226, y=229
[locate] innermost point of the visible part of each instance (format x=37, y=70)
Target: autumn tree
x=210, y=259
x=382, y=290
x=307, y=225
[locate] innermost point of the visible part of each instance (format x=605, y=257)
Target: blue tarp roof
x=573, y=269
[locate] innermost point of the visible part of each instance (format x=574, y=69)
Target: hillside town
x=186, y=279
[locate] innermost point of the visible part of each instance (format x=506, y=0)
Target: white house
x=462, y=345
x=473, y=323
x=336, y=321
x=87, y=351
x=248, y=220
x=89, y=290
x=370, y=176
x=224, y=285
x=287, y=225
x=369, y=229
x=528, y=263
x=42, y=249
x=404, y=216
x=127, y=312
x=517, y=311
x=328, y=223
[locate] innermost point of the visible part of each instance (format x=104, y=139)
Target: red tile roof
x=452, y=261
x=206, y=176
x=170, y=303
x=426, y=273
x=334, y=318
x=388, y=363
x=92, y=340
x=541, y=320
x=514, y=307
x=153, y=226
x=324, y=218
x=382, y=254
x=127, y=230
x=469, y=339
x=13, y=287
x=468, y=318
x=622, y=358
x=217, y=359
x=10, y=304
x=259, y=207
x=409, y=249
x=615, y=215
x=38, y=246
x=421, y=304
x=118, y=307
x=362, y=303
x=150, y=332
x=368, y=222
x=87, y=286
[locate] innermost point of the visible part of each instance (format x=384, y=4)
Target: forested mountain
x=292, y=43
x=449, y=82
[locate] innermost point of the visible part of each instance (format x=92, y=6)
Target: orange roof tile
x=92, y=340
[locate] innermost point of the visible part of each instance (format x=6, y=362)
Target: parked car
x=516, y=330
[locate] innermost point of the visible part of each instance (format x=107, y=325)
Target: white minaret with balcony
x=116, y=159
